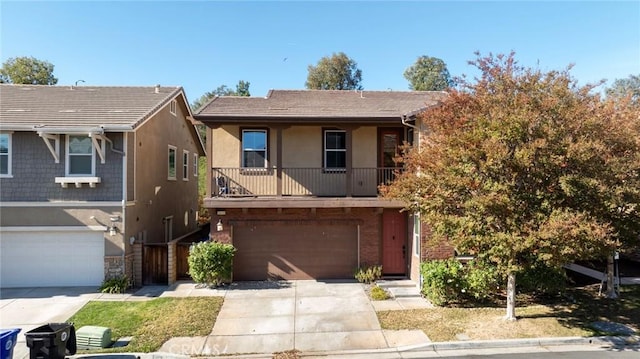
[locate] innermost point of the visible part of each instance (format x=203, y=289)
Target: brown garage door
x=296, y=251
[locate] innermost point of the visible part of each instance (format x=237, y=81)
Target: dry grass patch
x=571, y=315
x=443, y=324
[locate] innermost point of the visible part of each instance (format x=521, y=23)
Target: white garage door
x=51, y=259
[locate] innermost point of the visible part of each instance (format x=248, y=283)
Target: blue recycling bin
x=8, y=339
x=51, y=341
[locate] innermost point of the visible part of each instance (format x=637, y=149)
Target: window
x=172, y=163
x=185, y=165
x=195, y=165
x=172, y=107
x=335, y=149
x=254, y=148
x=5, y=155
x=80, y=156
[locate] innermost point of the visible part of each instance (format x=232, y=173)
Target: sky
x=201, y=45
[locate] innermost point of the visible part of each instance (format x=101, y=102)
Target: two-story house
x=89, y=176
x=294, y=182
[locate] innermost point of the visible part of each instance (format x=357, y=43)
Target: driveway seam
x=295, y=312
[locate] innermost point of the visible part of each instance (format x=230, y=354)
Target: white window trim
x=266, y=149
x=173, y=107
x=67, y=160
x=9, y=173
x=325, y=150
x=175, y=163
x=185, y=165
x=195, y=165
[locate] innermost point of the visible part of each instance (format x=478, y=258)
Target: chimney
x=157, y=89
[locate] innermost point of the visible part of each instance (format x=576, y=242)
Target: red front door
x=394, y=242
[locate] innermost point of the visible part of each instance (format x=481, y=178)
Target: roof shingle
x=321, y=103
x=29, y=106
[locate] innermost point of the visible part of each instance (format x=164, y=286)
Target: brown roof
x=24, y=107
x=303, y=105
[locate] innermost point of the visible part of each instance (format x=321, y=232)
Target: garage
x=50, y=258
x=295, y=251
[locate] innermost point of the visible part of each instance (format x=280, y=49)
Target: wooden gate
x=182, y=262
x=155, y=264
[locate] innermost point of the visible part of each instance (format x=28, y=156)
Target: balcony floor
x=301, y=202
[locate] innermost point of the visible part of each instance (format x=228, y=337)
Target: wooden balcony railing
x=320, y=182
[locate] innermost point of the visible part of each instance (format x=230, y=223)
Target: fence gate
x=155, y=268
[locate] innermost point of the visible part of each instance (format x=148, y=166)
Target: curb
x=607, y=341
x=616, y=341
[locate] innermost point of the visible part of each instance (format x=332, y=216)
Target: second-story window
x=185, y=165
x=80, y=156
x=335, y=149
x=254, y=148
x=5, y=155
x=171, y=163
x=172, y=107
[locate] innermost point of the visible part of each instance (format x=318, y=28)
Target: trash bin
x=51, y=341
x=8, y=339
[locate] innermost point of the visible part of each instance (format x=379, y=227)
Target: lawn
x=152, y=322
x=569, y=315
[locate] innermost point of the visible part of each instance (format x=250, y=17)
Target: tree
x=626, y=87
x=242, y=89
x=27, y=70
x=428, y=74
x=337, y=72
x=524, y=168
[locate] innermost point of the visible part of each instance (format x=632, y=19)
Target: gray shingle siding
x=34, y=172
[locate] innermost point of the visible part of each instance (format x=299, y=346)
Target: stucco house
x=294, y=182
x=91, y=176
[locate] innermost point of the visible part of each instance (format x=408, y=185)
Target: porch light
x=219, y=226
x=112, y=230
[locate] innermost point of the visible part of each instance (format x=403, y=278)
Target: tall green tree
x=28, y=71
x=242, y=89
x=524, y=167
x=629, y=86
x=338, y=72
x=428, y=74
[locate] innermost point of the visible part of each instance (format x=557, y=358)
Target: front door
x=394, y=242
x=389, y=141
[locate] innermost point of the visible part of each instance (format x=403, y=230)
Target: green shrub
x=368, y=274
x=211, y=263
x=115, y=285
x=378, y=293
x=541, y=279
x=480, y=280
x=442, y=280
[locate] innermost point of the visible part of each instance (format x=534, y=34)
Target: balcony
x=298, y=185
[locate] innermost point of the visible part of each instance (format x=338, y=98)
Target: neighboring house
x=90, y=174
x=294, y=182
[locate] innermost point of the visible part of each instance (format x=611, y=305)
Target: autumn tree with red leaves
x=522, y=166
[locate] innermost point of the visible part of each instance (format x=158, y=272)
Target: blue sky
x=201, y=45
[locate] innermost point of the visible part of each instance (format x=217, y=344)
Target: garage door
x=295, y=251
x=51, y=259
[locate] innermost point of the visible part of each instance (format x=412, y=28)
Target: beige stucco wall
x=157, y=197
x=301, y=147
x=365, y=147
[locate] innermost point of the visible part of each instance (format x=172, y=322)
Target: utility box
x=93, y=337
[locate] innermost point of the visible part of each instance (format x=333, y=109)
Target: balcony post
x=209, y=174
x=279, y=161
x=349, y=161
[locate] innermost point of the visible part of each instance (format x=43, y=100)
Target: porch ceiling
x=301, y=202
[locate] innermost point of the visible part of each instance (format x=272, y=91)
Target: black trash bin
x=51, y=341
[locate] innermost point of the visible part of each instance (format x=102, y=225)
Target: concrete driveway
x=311, y=316
x=29, y=308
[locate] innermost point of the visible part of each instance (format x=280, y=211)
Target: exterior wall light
x=219, y=226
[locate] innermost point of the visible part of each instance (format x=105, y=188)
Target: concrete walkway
x=310, y=316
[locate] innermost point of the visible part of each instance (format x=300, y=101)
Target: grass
x=152, y=322
x=570, y=315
